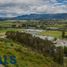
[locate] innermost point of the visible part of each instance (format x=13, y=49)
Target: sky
x=12, y=8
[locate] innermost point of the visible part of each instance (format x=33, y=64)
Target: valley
x=53, y=31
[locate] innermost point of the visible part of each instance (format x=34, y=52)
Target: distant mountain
x=42, y=16
x=4, y=18
x=38, y=17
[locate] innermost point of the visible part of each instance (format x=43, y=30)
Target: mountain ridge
x=42, y=16
x=39, y=17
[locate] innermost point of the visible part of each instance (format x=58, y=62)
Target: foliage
x=44, y=47
x=25, y=56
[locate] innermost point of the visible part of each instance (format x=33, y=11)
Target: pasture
x=56, y=34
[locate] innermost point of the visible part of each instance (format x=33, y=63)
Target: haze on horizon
x=11, y=8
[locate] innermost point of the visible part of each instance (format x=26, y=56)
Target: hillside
x=25, y=56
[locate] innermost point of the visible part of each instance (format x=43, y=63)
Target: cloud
x=9, y=8
x=51, y=9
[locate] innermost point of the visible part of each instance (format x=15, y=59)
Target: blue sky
x=11, y=8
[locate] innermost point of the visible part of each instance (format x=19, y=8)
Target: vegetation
x=44, y=47
x=56, y=34
x=31, y=51
x=65, y=51
x=65, y=56
x=24, y=55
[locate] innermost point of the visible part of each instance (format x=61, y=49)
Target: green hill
x=25, y=56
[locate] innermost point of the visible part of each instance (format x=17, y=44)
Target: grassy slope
x=25, y=56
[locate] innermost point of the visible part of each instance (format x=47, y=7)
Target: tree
x=63, y=33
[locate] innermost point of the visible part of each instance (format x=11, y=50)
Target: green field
x=57, y=25
x=10, y=29
x=56, y=34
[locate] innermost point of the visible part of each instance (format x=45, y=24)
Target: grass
x=57, y=25
x=56, y=34
x=25, y=56
x=3, y=31
x=65, y=62
x=6, y=23
x=10, y=29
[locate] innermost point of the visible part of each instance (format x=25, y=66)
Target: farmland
x=26, y=57
x=56, y=34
